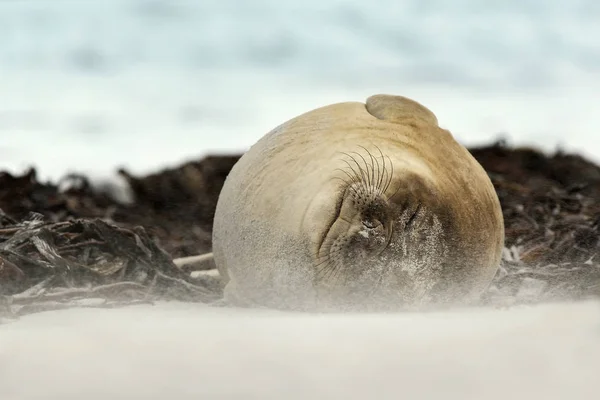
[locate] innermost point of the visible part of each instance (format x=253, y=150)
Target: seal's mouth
x=371, y=239
x=362, y=250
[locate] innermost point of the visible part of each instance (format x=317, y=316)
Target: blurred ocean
x=88, y=86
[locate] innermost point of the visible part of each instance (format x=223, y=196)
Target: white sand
x=183, y=351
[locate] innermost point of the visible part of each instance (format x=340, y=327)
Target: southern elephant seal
x=359, y=207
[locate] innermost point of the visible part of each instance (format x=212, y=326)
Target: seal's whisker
x=353, y=179
x=373, y=173
x=323, y=257
x=360, y=170
x=391, y=176
x=368, y=180
x=399, y=186
x=360, y=173
x=328, y=254
x=364, y=172
x=386, y=177
x=380, y=175
x=354, y=189
x=325, y=267
x=332, y=271
x=372, y=181
x=382, y=171
x=347, y=183
x=376, y=188
x=329, y=267
x=338, y=267
x=322, y=267
x=337, y=270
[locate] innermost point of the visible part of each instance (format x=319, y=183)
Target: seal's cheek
x=318, y=218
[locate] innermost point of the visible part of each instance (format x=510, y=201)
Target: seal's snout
x=369, y=241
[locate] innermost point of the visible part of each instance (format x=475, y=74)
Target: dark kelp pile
x=71, y=243
x=551, y=208
x=67, y=243
x=45, y=265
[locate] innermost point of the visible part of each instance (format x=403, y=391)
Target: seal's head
x=357, y=205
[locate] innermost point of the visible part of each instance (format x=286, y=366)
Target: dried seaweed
x=52, y=265
x=176, y=206
x=551, y=208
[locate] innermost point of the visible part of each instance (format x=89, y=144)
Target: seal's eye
x=373, y=216
x=371, y=223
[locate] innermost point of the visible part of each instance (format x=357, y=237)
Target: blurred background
x=89, y=86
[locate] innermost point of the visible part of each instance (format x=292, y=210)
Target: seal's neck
x=398, y=109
